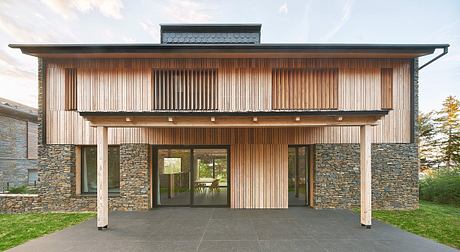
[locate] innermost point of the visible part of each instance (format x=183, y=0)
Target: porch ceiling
x=182, y=119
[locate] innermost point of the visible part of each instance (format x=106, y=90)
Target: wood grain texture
x=102, y=178
x=304, y=88
x=70, y=89
x=243, y=85
x=365, y=175
x=387, y=88
x=184, y=89
x=259, y=176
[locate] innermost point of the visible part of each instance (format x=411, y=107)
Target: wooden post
x=102, y=178
x=366, y=177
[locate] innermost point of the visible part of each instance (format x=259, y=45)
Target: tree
x=449, y=129
x=426, y=141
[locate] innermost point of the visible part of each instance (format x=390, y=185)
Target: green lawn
x=16, y=229
x=432, y=220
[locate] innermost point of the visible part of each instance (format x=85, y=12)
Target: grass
x=16, y=229
x=432, y=220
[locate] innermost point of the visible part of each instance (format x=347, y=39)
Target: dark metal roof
x=57, y=49
x=211, y=28
x=250, y=113
x=18, y=110
x=210, y=33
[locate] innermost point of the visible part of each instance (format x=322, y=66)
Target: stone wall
x=394, y=176
x=17, y=203
x=14, y=158
x=57, y=180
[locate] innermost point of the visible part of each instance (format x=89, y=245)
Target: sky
x=288, y=21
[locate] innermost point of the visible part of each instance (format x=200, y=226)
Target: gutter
x=18, y=114
x=445, y=51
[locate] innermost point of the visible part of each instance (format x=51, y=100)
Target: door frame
x=308, y=178
x=155, y=172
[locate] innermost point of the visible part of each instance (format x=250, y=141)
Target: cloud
x=283, y=8
x=9, y=66
x=68, y=8
x=346, y=14
x=188, y=11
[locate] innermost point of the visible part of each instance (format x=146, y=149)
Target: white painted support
x=366, y=176
x=102, y=178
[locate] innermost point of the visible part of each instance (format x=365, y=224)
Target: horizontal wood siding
x=243, y=85
x=297, y=89
x=259, y=176
x=184, y=89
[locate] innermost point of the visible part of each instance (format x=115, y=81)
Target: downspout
x=435, y=58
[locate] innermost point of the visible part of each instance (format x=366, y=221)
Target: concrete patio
x=223, y=229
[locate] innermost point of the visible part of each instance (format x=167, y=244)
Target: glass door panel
x=174, y=173
x=298, y=176
x=210, y=177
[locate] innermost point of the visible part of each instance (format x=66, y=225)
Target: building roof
x=230, y=50
x=18, y=110
x=224, y=41
x=210, y=33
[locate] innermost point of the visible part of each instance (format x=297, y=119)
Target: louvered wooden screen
x=387, y=88
x=70, y=89
x=184, y=89
x=297, y=89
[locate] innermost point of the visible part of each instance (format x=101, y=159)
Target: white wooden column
x=366, y=176
x=102, y=178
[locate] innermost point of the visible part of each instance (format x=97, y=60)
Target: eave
x=228, y=50
x=209, y=119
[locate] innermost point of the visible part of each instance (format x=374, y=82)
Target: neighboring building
x=18, y=144
x=211, y=116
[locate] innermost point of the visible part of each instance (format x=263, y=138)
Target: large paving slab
x=223, y=229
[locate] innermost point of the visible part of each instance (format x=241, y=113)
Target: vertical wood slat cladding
x=359, y=89
x=126, y=85
x=300, y=88
x=244, y=89
x=184, y=89
x=387, y=88
x=259, y=176
x=70, y=89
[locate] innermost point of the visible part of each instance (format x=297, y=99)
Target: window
x=70, y=89
x=32, y=141
x=32, y=176
x=387, y=88
x=297, y=89
x=184, y=89
x=89, y=169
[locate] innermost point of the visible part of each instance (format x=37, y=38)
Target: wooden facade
x=242, y=85
x=259, y=176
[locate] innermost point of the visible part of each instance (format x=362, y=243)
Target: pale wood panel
x=68, y=127
x=244, y=89
x=359, y=89
x=300, y=88
x=114, y=89
x=259, y=176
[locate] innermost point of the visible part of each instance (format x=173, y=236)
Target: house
x=213, y=117
x=18, y=145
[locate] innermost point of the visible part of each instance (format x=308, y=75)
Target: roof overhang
x=187, y=119
x=228, y=50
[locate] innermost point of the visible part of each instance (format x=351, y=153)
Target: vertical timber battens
x=102, y=178
x=365, y=175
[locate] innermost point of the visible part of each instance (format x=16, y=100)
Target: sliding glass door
x=191, y=176
x=298, y=170
x=174, y=175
